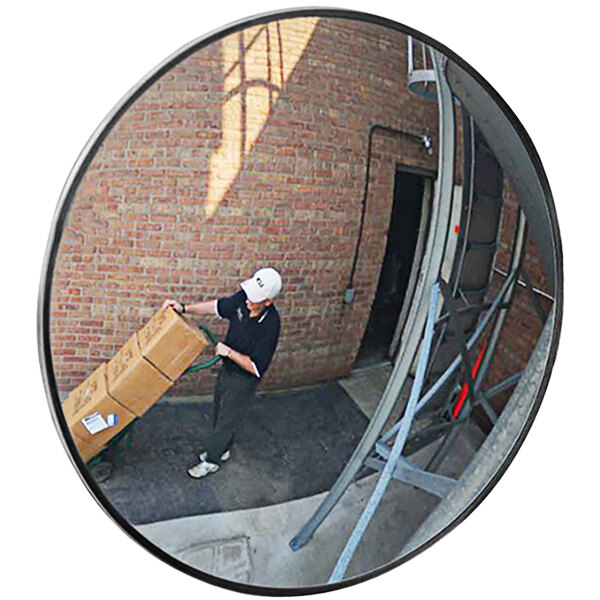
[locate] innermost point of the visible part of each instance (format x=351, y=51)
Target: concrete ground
x=252, y=546
x=289, y=445
x=366, y=386
x=237, y=523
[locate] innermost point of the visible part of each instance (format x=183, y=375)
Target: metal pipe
x=523, y=284
x=503, y=385
x=414, y=271
x=456, y=362
x=488, y=408
x=408, y=472
x=442, y=450
x=460, y=338
x=516, y=258
x=515, y=265
x=376, y=127
x=464, y=309
x=390, y=465
x=469, y=184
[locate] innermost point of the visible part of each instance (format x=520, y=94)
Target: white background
x=66, y=64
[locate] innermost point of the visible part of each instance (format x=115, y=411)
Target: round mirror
x=301, y=300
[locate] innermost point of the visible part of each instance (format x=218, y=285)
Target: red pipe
x=465, y=388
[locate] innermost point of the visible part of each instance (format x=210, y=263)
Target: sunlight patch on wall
x=257, y=64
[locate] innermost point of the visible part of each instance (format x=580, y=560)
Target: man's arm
x=197, y=308
x=240, y=359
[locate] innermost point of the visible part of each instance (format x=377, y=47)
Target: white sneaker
x=202, y=469
x=224, y=457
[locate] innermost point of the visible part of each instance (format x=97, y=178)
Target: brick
x=138, y=232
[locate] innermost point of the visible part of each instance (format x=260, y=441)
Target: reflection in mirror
x=335, y=208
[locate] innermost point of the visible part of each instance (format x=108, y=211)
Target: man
x=251, y=340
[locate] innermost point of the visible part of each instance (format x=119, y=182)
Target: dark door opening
x=395, y=272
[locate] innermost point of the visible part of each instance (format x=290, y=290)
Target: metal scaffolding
x=432, y=261
x=453, y=341
x=393, y=456
x=389, y=459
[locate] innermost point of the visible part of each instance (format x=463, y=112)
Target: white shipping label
x=94, y=423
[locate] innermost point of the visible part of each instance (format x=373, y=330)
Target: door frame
x=428, y=189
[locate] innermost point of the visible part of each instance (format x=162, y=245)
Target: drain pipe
x=426, y=141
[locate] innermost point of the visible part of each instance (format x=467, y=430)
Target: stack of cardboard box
x=132, y=381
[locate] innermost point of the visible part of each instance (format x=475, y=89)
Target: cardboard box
x=86, y=450
x=92, y=415
x=170, y=342
x=133, y=381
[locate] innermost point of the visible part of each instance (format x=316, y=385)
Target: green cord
x=212, y=361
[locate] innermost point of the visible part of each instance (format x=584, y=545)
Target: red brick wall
x=523, y=326
x=138, y=231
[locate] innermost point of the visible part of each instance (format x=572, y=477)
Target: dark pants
x=234, y=392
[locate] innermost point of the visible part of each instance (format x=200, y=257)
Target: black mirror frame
x=60, y=218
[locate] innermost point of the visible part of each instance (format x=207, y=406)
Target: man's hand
x=177, y=306
x=222, y=350
x=237, y=357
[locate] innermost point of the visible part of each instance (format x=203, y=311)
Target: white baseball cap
x=265, y=284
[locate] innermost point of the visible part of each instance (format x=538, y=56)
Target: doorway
x=407, y=221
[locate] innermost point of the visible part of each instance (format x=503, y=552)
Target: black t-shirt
x=255, y=337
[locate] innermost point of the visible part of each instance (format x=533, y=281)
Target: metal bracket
x=410, y=473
